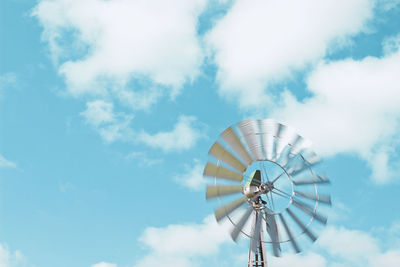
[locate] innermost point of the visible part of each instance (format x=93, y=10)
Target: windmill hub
x=267, y=187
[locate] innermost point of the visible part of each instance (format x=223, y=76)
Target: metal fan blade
x=296, y=144
x=227, y=209
x=284, y=158
x=279, y=141
x=247, y=127
x=213, y=170
x=289, y=233
x=301, y=225
x=239, y=226
x=269, y=129
x=222, y=190
x=256, y=232
x=221, y=153
x=309, y=210
x=300, y=167
x=320, y=198
x=319, y=179
x=272, y=229
x=292, y=149
x=233, y=140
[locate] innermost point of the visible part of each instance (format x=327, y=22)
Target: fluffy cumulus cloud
x=306, y=260
x=182, y=245
x=357, y=248
x=192, y=177
x=125, y=53
x=353, y=108
x=258, y=43
x=105, y=45
x=200, y=244
x=184, y=135
x=339, y=246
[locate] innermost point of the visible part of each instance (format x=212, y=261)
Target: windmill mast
x=257, y=254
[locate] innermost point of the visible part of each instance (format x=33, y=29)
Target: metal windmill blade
x=266, y=187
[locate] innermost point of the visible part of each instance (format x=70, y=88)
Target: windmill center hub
x=268, y=185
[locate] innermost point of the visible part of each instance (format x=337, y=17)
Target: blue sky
x=108, y=109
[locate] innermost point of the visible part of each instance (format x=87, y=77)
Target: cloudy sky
x=108, y=109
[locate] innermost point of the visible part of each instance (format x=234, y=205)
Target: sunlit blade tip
x=213, y=170
x=248, y=130
x=218, y=151
x=222, y=190
x=233, y=140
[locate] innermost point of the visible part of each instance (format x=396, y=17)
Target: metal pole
x=259, y=258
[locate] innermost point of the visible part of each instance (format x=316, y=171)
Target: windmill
x=267, y=186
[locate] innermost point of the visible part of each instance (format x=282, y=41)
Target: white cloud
x=184, y=135
x=351, y=245
x=192, y=177
x=112, y=43
x=354, y=109
x=388, y=259
x=7, y=79
x=356, y=248
x=5, y=163
x=9, y=258
x=183, y=244
x=104, y=264
x=391, y=44
x=307, y=260
x=261, y=42
x=114, y=126
x=341, y=247
x=111, y=126
x=142, y=159
x=199, y=244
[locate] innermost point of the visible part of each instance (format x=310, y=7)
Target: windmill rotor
x=265, y=171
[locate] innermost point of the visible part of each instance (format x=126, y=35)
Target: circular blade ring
x=262, y=141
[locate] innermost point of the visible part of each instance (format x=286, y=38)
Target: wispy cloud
x=104, y=264
x=7, y=79
x=11, y=259
x=192, y=176
x=114, y=126
x=142, y=159
x=5, y=163
x=110, y=125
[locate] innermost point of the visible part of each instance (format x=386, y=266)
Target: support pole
x=259, y=257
